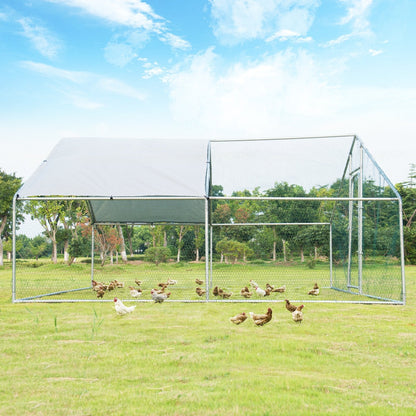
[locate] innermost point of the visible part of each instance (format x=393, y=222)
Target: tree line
x=67, y=227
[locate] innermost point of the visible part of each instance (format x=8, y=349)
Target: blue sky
x=207, y=69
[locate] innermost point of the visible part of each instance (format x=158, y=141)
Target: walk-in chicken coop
x=311, y=219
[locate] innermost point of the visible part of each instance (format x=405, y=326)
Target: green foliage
x=157, y=254
x=311, y=263
x=233, y=249
x=38, y=247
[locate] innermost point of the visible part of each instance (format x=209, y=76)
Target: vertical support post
x=14, y=250
x=360, y=225
x=350, y=214
x=207, y=254
x=210, y=257
x=92, y=252
x=330, y=256
x=402, y=251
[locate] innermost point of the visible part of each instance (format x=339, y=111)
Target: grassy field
x=189, y=359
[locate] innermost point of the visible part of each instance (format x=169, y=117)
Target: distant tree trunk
x=165, y=238
x=197, y=255
x=180, y=237
x=222, y=257
x=284, y=250
x=9, y=255
x=66, y=254
x=111, y=257
x=2, y=227
x=52, y=236
x=122, y=244
x=274, y=244
x=316, y=252
x=302, y=255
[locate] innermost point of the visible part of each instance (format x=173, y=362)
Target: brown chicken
x=199, y=282
x=226, y=295
x=200, y=291
x=239, y=318
x=289, y=306
x=315, y=290
x=100, y=293
x=138, y=282
x=215, y=291
x=163, y=285
x=280, y=289
x=262, y=319
x=245, y=292
x=297, y=314
x=268, y=286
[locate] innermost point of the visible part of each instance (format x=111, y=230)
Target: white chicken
x=260, y=292
x=122, y=309
x=253, y=283
x=159, y=297
x=135, y=293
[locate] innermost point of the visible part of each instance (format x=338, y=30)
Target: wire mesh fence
x=327, y=216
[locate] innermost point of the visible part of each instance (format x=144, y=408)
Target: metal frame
x=209, y=227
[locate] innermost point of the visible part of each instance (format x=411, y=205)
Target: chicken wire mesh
x=334, y=222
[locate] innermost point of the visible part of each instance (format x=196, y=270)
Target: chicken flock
x=159, y=295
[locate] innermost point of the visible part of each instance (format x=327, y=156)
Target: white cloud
x=77, y=77
x=284, y=35
x=86, y=84
x=358, y=17
x=338, y=40
x=42, y=40
x=120, y=88
x=265, y=95
x=239, y=20
x=374, y=52
x=131, y=13
x=119, y=54
x=134, y=14
x=357, y=14
x=174, y=41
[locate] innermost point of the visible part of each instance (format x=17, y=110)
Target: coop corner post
x=92, y=252
x=14, y=250
x=360, y=224
x=350, y=214
x=331, y=280
x=402, y=251
x=207, y=253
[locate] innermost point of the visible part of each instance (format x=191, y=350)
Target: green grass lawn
x=189, y=359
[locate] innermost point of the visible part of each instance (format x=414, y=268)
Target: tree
x=181, y=231
x=48, y=213
x=157, y=255
x=9, y=185
x=128, y=231
x=38, y=246
x=122, y=244
x=199, y=239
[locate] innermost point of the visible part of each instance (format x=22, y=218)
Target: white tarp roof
x=117, y=168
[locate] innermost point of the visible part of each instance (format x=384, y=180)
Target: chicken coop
x=310, y=219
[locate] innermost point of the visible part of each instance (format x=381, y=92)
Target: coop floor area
x=46, y=282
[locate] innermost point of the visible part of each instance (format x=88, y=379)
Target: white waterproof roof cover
x=175, y=174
